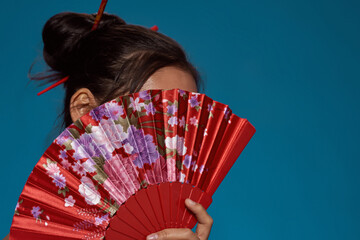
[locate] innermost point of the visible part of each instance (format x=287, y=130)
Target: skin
x=165, y=78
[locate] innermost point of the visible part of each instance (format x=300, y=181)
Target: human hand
x=203, y=228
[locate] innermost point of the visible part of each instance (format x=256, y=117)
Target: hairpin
x=96, y=24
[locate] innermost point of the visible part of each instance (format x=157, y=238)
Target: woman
x=116, y=59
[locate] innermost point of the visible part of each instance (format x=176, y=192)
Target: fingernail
x=152, y=236
x=191, y=201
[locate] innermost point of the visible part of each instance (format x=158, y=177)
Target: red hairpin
x=96, y=24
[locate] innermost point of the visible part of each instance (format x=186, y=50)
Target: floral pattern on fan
x=121, y=146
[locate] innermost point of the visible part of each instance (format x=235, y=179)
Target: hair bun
x=62, y=35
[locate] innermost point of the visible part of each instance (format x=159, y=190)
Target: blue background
x=292, y=68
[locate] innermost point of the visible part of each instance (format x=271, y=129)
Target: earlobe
x=81, y=103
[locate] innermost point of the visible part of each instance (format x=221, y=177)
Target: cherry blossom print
x=69, y=201
x=194, y=121
x=150, y=109
x=182, y=121
x=88, y=191
x=173, y=121
x=171, y=109
x=193, y=101
x=135, y=105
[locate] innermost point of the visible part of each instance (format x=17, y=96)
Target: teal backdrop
x=292, y=68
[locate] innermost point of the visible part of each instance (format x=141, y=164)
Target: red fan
x=124, y=169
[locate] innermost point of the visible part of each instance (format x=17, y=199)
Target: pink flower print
x=182, y=121
x=79, y=168
x=193, y=101
x=52, y=168
x=194, y=121
x=122, y=178
x=171, y=170
x=172, y=121
x=65, y=163
x=135, y=105
x=69, y=201
x=177, y=143
x=36, y=212
x=59, y=180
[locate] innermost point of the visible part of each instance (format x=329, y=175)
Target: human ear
x=81, y=102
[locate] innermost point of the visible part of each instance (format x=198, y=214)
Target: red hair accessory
x=96, y=24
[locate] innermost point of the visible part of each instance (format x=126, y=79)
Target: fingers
x=199, y=211
x=174, y=233
x=205, y=220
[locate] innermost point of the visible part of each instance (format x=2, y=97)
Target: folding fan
x=123, y=170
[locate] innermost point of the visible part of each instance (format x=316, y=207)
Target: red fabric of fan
x=123, y=170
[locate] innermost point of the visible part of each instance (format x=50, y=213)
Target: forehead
x=170, y=78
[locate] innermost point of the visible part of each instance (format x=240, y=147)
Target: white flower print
x=89, y=192
x=69, y=201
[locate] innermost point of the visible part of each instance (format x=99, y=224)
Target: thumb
x=205, y=220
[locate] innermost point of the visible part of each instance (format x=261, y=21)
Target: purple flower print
x=150, y=109
x=98, y=112
x=35, y=211
x=88, y=149
x=63, y=154
x=187, y=161
x=114, y=110
x=63, y=138
x=193, y=101
x=59, y=180
x=143, y=145
x=145, y=95
x=182, y=92
x=171, y=109
x=210, y=107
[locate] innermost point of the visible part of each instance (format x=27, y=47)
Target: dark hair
x=113, y=59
